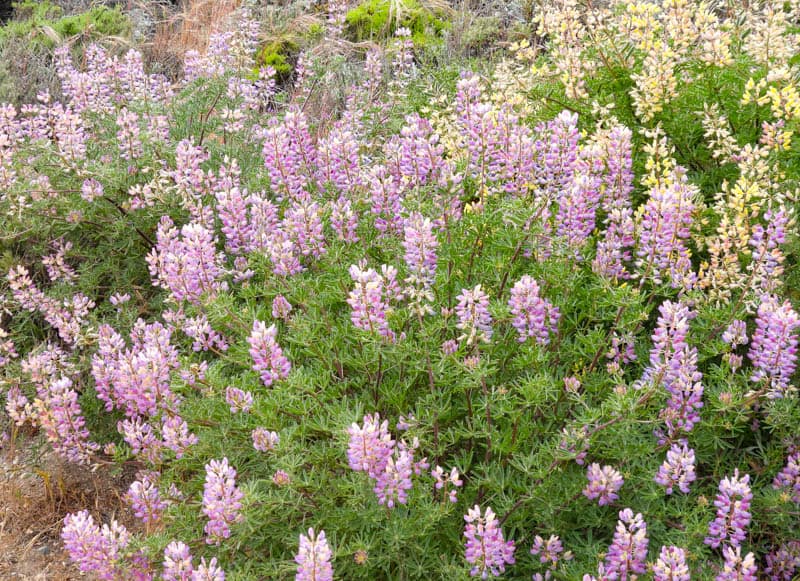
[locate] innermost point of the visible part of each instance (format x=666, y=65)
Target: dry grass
x=187, y=28
x=36, y=493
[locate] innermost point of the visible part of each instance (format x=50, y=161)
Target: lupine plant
x=537, y=320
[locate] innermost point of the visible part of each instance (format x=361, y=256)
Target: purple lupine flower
x=177, y=565
x=18, y=407
x=289, y=155
x=663, y=228
x=60, y=417
x=549, y=551
x=176, y=435
x=283, y=253
x=204, y=335
x=452, y=481
x=673, y=364
x=221, y=500
x=130, y=144
x=534, y=317
x=137, y=379
x=773, y=349
x=344, y=220
x=314, y=558
x=420, y=246
x=419, y=153
x=281, y=478
x=233, y=205
x=264, y=440
x=733, y=516
x=671, y=565
x=281, y=308
x=677, y=469
x=386, y=200
x=627, y=554
x=736, y=333
x=783, y=562
x=67, y=317
x=766, y=265
x=268, y=358
x=91, y=189
x=118, y=299
x=473, y=315
x=92, y=548
x=303, y=222
x=186, y=262
x=789, y=477
x=604, y=483
x=145, y=499
x=577, y=209
x=370, y=446
x=339, y=159
x=238, y=400
x=485, y=548
x=190, y=179
x=614, y=247
x=514, y=159
x=208, y=571
x=142, y=439
x=369, y=300
x=736, y=567
x=57, y=267
x=557, y=151
x=392, y=485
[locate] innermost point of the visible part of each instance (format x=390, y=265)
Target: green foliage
x=35, y=18
x=279, y=55
x=379, y=19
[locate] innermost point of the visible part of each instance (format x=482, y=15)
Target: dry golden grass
x=36, y=493
x=188, y=28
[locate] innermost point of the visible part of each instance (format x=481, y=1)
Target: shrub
x=475, y=324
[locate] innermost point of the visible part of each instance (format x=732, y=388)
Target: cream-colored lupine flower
x=640, y=24
x=660, y=162
x=769, y=41
x=717, y=131
x=656, y=85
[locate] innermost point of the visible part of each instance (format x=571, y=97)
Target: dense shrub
x=540, y=322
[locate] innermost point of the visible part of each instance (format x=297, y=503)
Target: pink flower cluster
x=485, y=548
x=222, y=500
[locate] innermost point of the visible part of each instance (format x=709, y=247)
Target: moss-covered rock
x=35, y=21
x=378, y=19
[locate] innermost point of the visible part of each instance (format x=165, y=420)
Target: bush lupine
x=678, y=468
x=177, y=564
x=268, y=358
x=314, y=558
x=474, y=319
x=671, y=565
x=737, y=567
x=789, y=477
x=733, y=511
x=370, y=445
x=549, y=551
x=627, y=554
x=94, y=549
x=604, y=483
x=222, y=500
x=534, y=317
x=773, y=349
x=484, y=145
x=265, y=440
x=485, y=548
